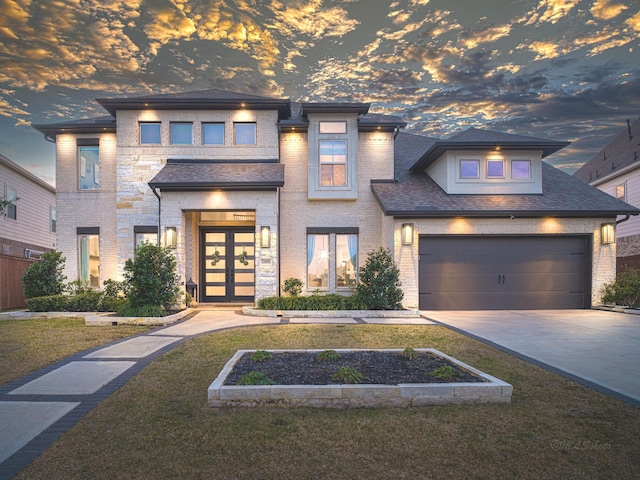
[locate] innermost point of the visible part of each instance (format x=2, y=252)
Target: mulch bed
x=381, y=368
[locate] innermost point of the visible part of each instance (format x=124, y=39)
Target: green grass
x=160, y=426
x=28, y=345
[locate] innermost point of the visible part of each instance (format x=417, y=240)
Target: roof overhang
x=340, y=108
x=85, y=126
x=440, y=147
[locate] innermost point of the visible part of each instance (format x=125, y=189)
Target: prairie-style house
x=252, y=190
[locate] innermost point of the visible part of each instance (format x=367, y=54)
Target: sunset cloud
x=606, y=9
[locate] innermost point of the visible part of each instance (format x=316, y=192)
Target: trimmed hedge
x=83, y=302
x=313, y=302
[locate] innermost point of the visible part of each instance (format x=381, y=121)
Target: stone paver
x=138, y=347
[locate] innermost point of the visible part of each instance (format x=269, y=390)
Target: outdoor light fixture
x=171, y=237
x=265, y=237
x=607, y=233
x=407, y=233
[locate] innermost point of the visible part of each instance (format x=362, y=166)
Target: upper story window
x=333, y=162
x=469, y=169
x=213, y=133
x=521, y=169
x=150, y=133
x=495, y=168
x=244, y=133
x=89, y=178
x=621, y=192
x=333, y=127
x=11, y=209
x=52, y=216
x=181, y=133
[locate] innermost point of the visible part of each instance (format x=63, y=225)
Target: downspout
x=153, y=189
x=623, y=220
x=49, y=139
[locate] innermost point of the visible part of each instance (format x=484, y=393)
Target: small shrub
x=445, y=372
x=255, y=378
x=126, y=309
x=347, y=375
x=113, y=289
x=379, y=286
x=328, y=356
x=78, y=287
x=409, y=353
x=260, y=356
x=84, y=302
x=44, y=277
x=625, y=290
x=293, y=286
x=49, y=303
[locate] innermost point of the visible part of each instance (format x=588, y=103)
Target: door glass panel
x=242, y=277
x=244, y=291
x=244, y=237
x=215, y=277
x=215, y=291
x=239, y=265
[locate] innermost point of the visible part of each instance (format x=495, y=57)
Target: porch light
x=607, y=233
x=265, y=237
x=407, y=233
x=171, y=237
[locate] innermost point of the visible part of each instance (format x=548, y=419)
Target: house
x=27, y=227
x=616, y=170
x=252, y=190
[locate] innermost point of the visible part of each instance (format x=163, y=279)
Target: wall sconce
x=407, y=233
x=171, y=237
x=265, y=237
x=607, y=233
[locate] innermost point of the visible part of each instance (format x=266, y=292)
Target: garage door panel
x=498, y=272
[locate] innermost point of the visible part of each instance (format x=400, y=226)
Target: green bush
x=49, y=303
x=151, y=282
x=84, y=302
x=312, y=302
x=625, y=290
x=44, y=278
x=126, y=309
x=293, y=286
x=379, y=286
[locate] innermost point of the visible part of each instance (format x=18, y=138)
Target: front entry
x=227, y=257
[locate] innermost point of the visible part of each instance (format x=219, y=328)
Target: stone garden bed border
x=492, y=390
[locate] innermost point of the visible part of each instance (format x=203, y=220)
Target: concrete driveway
x=595, y=348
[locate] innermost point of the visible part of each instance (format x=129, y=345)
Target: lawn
x=28, y=345
x=159, y=425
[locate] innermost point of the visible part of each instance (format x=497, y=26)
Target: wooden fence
x=11, y=270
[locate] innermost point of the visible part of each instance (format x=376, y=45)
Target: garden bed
x=388, y=380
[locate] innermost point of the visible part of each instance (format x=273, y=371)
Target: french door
x=227, y=257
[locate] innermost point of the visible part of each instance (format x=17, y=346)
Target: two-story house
x=27, y=227
x=251, y=190
x=615, y=169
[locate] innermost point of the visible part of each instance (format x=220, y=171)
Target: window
x=333, y=163
x=621, y=192
x=149, y=133
x=346, y=260
x=181, y=134
x=11, y=210
x=144, y=233
x=318, y=261
x=333, y=127
x=332, y=258
x=244, y=133
x=469, y=169
x=213, y=133
x=89, y=167
x=52, y=215
x=495, y=168
x=520, y=169
x=89, y=256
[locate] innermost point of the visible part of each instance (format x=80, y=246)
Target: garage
x=464, y=272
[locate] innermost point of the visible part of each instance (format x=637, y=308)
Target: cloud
x=8, y=109
x=634, y=22
x=550, y=11
x=606, y=10
x=312, y=19
x=473, y=38
x=167, y=23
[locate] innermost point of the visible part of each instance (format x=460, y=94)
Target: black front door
x=227, y=264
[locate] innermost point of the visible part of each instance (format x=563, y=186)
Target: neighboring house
x=252, y=190
x=616, y=170
x=27, y=227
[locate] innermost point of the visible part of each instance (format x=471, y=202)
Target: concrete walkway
x=36, y=409
x=596, y=348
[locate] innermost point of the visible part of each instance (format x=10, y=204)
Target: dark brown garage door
x=504, y=272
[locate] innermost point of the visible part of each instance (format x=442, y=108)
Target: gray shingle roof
x=617, y=156
x=417, y=195
x=205, y=175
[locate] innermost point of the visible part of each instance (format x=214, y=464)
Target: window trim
x=469, y=160
x=332, y=260
x=622, y=197
x=141, y=124
x=53, y=219
x=82, y=167
x=88, y=232
x=11, y=209
x=496, y=161
x=520, y=160
x=144, y=229
x=172, y=124
x=333, y=163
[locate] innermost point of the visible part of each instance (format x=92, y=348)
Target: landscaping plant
x=625, y=290
x=293, y=286
x=44, y=278
x=379, y=287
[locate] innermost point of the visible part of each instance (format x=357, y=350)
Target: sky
x=561, y=69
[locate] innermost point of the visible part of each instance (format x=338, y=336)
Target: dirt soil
x=381, y=368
